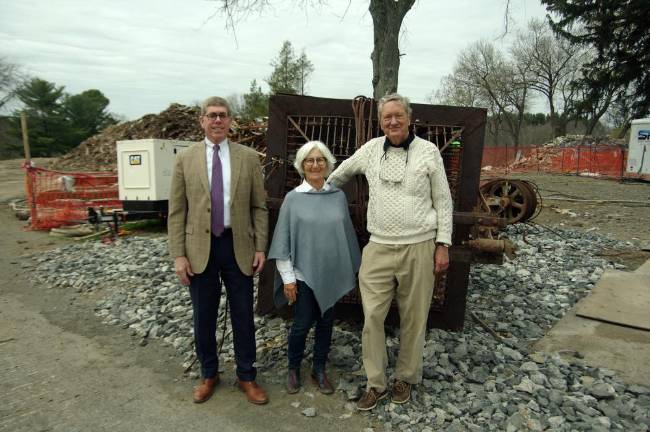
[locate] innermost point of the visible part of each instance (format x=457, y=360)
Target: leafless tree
x=552, y=63
x=387, y=17
x=10, y=78
x=498, y=84
x=457, y=90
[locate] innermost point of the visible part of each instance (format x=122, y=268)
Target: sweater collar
x=404, y=144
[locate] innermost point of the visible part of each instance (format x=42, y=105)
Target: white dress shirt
x=288, y=273
x=224, y=155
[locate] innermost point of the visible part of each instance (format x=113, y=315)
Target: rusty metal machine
x=344, y=125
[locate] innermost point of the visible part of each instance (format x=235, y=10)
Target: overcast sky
x=145, y=54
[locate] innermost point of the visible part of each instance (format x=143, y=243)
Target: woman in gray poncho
x=317, y=256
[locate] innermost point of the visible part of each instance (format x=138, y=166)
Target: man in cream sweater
x=410, y=224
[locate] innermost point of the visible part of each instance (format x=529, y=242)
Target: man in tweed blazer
x=203, y=257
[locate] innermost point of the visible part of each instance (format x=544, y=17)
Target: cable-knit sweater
x=410, y=200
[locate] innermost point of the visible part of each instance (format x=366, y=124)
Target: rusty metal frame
x=284, y=109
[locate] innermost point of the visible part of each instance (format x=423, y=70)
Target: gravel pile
x=472, y=382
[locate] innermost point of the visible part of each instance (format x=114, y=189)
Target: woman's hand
x=291, y=292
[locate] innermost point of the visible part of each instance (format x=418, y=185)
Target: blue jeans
x=305, y=312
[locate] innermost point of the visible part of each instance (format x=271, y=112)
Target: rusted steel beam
x=478, y=218
x=492, y=246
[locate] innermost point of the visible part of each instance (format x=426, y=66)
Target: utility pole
x=23, y=127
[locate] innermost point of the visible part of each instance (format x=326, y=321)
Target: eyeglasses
x=312, y=161
x=397, y=117
x=214, y=116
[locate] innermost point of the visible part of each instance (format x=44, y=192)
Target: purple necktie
x=216, y=194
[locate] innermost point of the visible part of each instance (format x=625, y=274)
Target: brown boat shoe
x=204, y=391
x=401, y=392
x=370, y=398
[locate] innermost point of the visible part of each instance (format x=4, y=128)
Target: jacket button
x=207, y=231
x=208, y=209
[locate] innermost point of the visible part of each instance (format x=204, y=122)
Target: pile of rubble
x=178, y=122
x=541, y=157
x=549, y=156
x=584, y=140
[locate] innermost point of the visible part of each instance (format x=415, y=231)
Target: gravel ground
x=472, y=381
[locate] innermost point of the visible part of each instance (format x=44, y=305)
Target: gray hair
x=214, y=101
x=394, y=97
x=306, y=148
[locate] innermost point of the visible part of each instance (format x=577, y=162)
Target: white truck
x=638, y=156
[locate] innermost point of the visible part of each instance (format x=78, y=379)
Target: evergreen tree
x=42, y=104
x=256, y=103
x=618, y=32
x=284, y=77
x=290, y=73
x=58, y=122
x=304, y=68
x=86, y=114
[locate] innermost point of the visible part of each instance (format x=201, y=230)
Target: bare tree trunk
x=596, y=114
x=387, y=17
x=624, y=129
x=553, y=118
x=561, y=124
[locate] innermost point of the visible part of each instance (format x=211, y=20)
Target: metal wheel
x=514, y=200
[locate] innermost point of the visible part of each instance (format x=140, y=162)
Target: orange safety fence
x=596, y=160
x=59, y=198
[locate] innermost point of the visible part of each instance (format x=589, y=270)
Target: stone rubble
x=472, y=382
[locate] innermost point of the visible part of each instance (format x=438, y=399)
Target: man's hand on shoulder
x=183, y=269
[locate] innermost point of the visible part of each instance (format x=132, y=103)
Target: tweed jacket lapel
x=235, y=169
x=202, y=166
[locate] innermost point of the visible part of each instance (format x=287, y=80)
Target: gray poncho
x=315, y=232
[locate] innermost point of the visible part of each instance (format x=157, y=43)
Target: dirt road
x=616, y=209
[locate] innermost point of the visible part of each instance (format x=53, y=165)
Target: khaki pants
x=403, y=272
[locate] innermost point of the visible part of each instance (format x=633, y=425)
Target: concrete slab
x=644, y=268
x=619, y=298
x=622, y=349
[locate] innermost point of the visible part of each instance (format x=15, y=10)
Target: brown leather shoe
x=254, y=393
x=204, y=391
x=323, y=383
